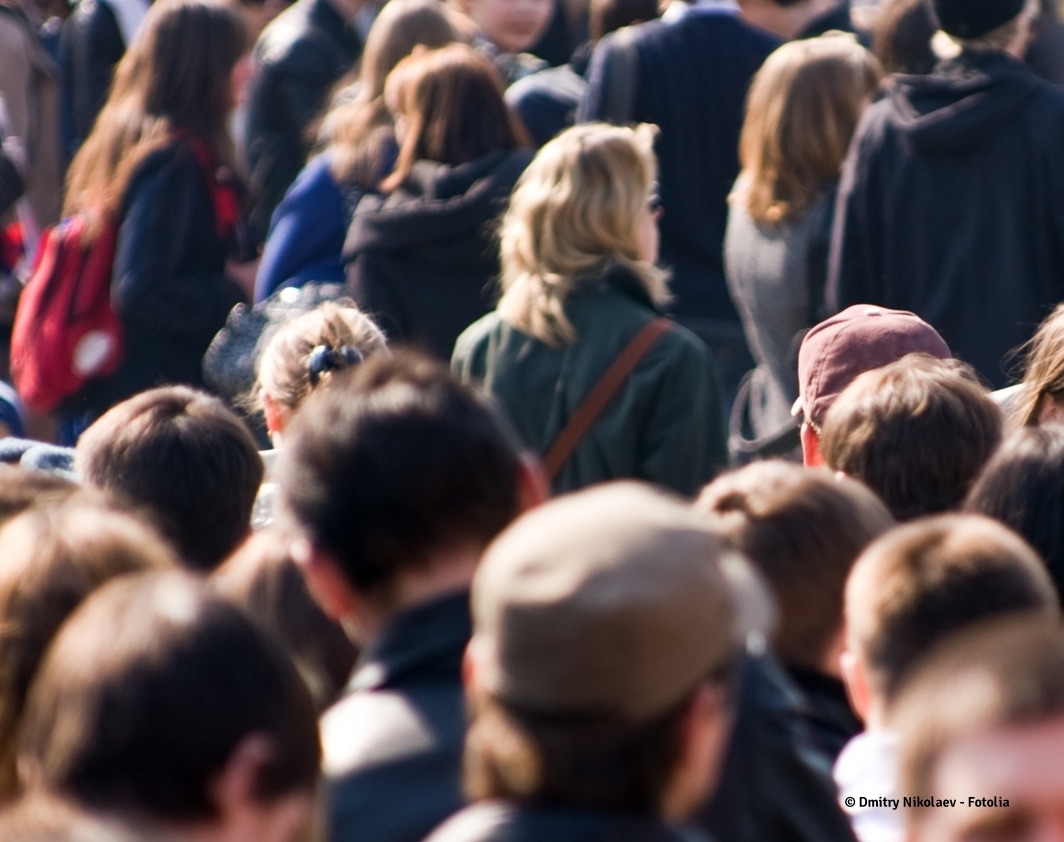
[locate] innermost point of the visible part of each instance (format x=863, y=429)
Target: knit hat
x=974, y=18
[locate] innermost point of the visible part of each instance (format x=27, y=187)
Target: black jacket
x=90, y=46
x=505, y=822
x=169, y=286
x=393, y=744
x=950, y=206
x=423, y=261
x=300, y=56
x=826, y=709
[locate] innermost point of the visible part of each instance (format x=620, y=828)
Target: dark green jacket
x=664, y=425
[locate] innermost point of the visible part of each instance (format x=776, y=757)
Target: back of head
x=52, y=559
x=802, y=109
x=1001, y=677
x=451, y=100
x=146, y=694
x=394, y=462
x=21, y=489
x=184, y=457
x=575, y=207
x=1023, y=487
x=986, y=26
x=901, y=36
x=803, y=529
x=917, y=432
x=923, y=582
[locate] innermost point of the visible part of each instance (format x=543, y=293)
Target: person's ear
x=705, y=730
x=811, y=457
x=855, y=679
x=276, y=417
x=234, y=789
x=324, y=580
x=533, y=487
x=1050, y=410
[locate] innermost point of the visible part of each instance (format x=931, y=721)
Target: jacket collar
x=428, y=638
x=617, y=278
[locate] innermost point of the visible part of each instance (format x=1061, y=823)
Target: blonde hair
x=803, y=107
x=284, y=367
x=575, y=208
x=1043, y=371
x=358, y=129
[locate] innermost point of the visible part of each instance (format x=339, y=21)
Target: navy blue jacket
x=691, y=80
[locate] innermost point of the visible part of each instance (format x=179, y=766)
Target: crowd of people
x=534, y=419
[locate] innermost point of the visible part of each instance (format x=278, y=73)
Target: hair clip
x=325, y=358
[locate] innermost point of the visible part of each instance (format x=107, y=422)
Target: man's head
x=987, y=25
x=836, y=351
x=922, y=582
x=803, y=528
x=917, y=432
x=984, y=716
x=607, y=630
x=184, y=458
x=387, y=470
x=161, y=702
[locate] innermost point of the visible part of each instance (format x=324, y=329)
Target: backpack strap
x=599, y=397
x=223, y=194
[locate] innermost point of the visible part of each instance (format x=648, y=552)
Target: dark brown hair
x=917, y=432
x=927, y=580
x=147, y=691
x=452, y=99
x=803, y=529
x=20, y=489
x=53, y=557
x=395, y=460
x=184, y=457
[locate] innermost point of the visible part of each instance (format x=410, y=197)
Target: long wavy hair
x=801, y=113
x=175, y=77
x=574, y=209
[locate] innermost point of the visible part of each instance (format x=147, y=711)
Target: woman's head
x=305, y=351
x=448, y=106
x=177, y=75
x=588, y=197
x=1042, y=391
x=803, y=107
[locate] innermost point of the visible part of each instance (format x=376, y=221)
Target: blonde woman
x=579, y=242
x=802, y=110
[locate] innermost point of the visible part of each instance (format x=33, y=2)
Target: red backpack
x=66, y=331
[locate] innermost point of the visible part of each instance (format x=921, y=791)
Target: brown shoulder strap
x=597, y=399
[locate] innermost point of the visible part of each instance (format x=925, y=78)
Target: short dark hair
x=393, y=461
x=146, y=692
x=1023, y=487
x=930, y=579
x=184, y=457
x=917, y=432
x=803, y=529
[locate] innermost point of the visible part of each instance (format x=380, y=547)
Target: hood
x=963, y=102
x=437, y=202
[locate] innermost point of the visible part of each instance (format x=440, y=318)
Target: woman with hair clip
x=307, y=231
x=421, y=257
x=803, y=107
x=580, y=295
x=159, y=162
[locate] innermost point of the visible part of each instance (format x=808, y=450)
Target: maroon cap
x=859, y=339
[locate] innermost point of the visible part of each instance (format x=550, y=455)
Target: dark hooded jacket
x=423, y=260
x=950, y=206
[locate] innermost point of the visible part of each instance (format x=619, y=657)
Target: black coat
x=300, y=56
x=951, y=206
x=424, y=260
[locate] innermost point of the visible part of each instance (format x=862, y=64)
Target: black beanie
x=974, y=18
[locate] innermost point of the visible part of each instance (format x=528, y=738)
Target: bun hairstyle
x=306, y=351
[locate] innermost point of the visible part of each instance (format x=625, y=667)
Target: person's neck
x=445, y=573
x=786, y=21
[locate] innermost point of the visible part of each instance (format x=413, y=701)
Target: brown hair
x=184, y=457
x=53, y=558
x=357, y=128
x=284, y=366
x=262, y=579
x=21, y=489
x=452, y=99
x=1043, y=369
x=803, y=529
x=803, y=107
x=925, y=581
x=1003, y=674
x=175, y=76
x=917, y=432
